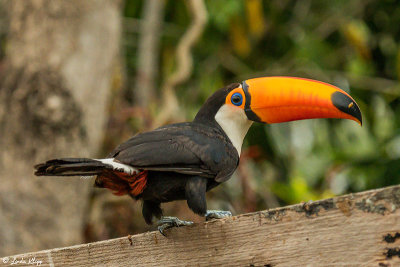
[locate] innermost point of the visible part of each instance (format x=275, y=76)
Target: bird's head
x=275, y=100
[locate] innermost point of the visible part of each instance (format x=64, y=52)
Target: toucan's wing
x=188, y=148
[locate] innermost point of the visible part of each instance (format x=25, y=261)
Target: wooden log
x=360, y=229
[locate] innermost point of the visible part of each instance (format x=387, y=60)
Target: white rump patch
x=119, y=166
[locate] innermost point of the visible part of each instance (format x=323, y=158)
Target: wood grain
x=360, y=229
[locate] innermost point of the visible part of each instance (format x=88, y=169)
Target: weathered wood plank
x=360, y=229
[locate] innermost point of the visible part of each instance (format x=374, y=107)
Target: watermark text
x=16, y=261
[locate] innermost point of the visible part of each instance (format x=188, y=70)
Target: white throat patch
x=235, y=124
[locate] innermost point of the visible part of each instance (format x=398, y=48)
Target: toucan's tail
x=118, y=177
x=71, y=167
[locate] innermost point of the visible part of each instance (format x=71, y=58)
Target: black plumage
x=188, y=148
x=184, y=160
x=182, y=156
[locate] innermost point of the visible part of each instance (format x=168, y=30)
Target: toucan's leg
x=151, y=209
x=217, y=214
x=196, y=198
x=195, y=192
x=169, y=222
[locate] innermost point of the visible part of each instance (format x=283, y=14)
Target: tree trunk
x=148, y=52
x=54, y=86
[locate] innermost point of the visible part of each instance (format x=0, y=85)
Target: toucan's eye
x=237, y=99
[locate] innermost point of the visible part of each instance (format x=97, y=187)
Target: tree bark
x=54, y=87
x=148, y=52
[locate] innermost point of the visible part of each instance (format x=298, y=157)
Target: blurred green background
x=354, y=45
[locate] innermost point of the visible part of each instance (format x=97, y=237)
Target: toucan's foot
x=217, y=214
x=167, y=222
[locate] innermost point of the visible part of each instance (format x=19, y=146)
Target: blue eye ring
x=237, y=99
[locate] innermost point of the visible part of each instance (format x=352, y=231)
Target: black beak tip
x=347, y=105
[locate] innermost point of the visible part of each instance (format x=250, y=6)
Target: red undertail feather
x=122, y=183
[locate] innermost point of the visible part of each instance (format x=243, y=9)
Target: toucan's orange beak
x=281, y=99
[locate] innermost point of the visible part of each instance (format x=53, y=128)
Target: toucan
x=183, y=161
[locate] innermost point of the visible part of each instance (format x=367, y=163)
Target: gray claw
x=217, y=214
x=169, y=222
